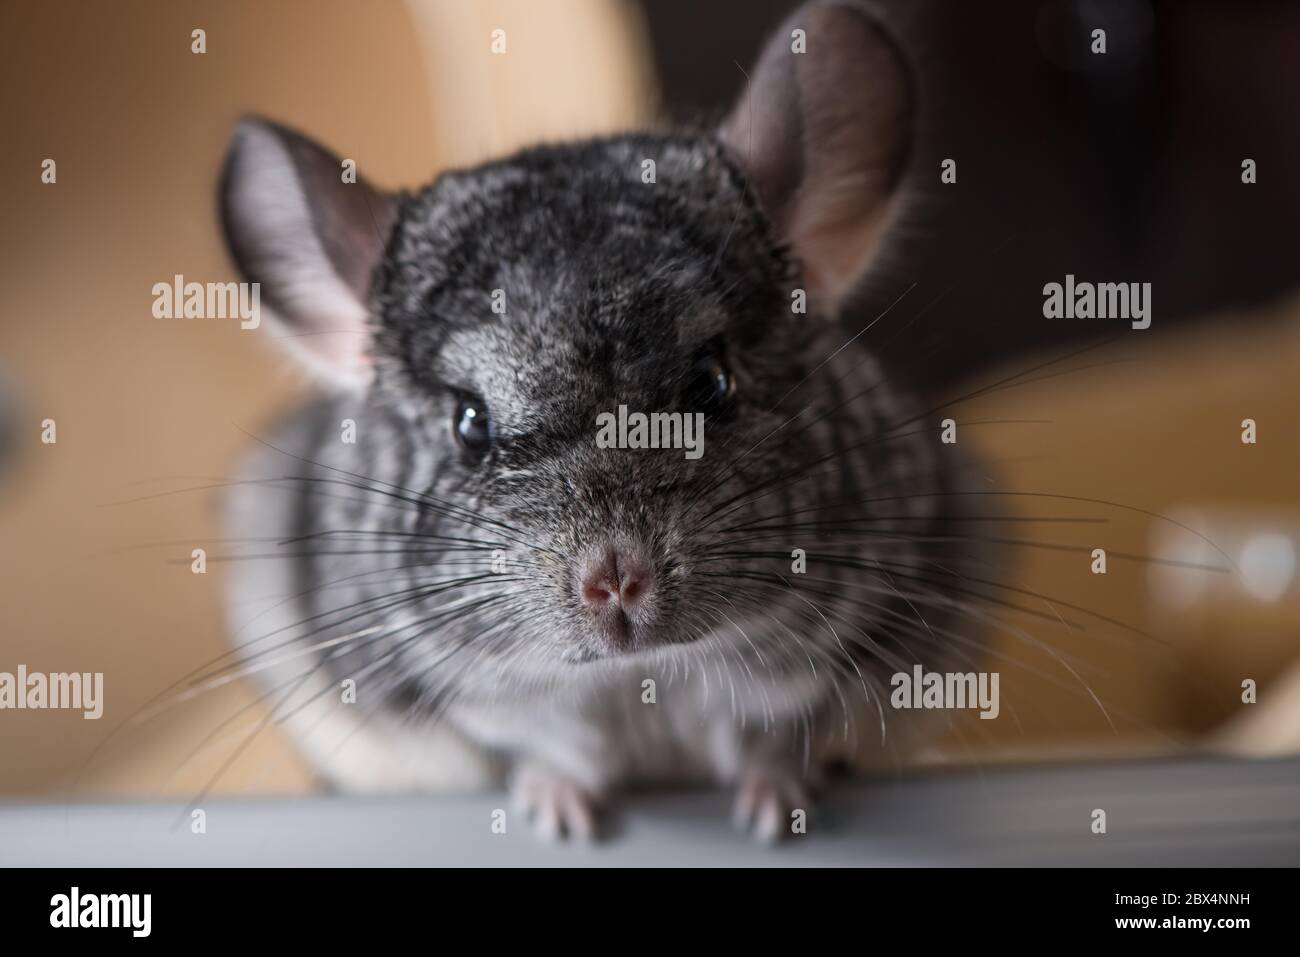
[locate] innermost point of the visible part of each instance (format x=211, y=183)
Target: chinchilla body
x=457, y=575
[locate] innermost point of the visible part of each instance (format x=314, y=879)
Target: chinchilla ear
x=311, y=234
x=822, y=130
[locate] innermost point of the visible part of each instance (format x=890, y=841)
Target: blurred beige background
x=96, y=530
x=137, y=124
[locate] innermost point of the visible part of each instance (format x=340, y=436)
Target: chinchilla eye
x=713, y=383
x=472, y=425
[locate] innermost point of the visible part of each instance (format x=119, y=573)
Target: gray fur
x=613, y=289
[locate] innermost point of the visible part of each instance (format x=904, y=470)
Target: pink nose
x=611, y=579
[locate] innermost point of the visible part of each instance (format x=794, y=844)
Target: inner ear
x=822, y=131
x=311, y=233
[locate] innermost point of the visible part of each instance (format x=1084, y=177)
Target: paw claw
x=557, y=806
x=765, y=800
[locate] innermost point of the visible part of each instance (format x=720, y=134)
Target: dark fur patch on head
x=576, y=240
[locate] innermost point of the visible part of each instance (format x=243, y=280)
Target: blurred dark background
x=1122, y=167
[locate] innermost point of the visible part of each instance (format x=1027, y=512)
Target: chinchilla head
x=498, y=333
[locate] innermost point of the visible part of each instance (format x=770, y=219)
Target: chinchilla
x=453, y=577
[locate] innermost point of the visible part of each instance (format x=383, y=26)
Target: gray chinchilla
x=456, y=579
